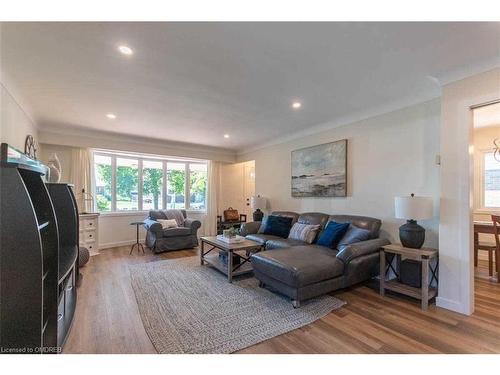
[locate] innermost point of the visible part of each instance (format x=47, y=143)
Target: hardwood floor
x=107, y=319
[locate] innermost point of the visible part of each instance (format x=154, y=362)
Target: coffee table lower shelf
x=214, y=261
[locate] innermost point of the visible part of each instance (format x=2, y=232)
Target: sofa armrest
x=361, y=248
x=251, y=227
x=194, y=225
x=153, y=226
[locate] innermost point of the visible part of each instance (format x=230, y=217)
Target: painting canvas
x=320, y=171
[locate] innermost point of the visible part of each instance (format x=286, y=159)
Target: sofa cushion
x=176, y=215
x=353, y=235
x=262, y=238
x=177, y=232
x=313, y=218
x=167, y=224
x=283, y=243
x=304, y=232
x=157, y=214
x=363, y=222
x=298, y=266
x=332, y=234
x=278, y=226
x=291, y=214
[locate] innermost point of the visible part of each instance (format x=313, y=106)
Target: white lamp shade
x=258, y=202
x=413, y=208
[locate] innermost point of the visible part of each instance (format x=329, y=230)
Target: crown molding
x=83, y=137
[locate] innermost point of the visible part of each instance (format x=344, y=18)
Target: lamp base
x=258, y=215
x=412, y=235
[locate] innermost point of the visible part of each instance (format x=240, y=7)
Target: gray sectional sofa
x=301, y=271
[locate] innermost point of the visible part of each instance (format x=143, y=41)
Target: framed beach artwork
x=320, y=171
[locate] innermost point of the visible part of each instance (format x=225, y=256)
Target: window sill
x=487, y=211
x=143, y=213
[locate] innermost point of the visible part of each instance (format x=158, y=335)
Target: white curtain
x=81, y=177
x=213, y=198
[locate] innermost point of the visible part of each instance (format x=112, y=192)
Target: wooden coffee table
x=243, y=249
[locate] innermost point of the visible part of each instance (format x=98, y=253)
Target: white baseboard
x=119, y=243
x=450, y=305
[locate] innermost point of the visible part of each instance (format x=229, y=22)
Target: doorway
x=486, y=196
x=237, y=187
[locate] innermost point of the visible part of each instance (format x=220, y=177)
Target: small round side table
x=137, y=243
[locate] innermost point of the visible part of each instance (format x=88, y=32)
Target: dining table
x=481, y=226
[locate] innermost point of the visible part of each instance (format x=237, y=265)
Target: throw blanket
x=175, y=215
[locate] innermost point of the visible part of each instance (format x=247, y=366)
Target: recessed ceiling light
x=296, y=105
x=111, y=116
x=226, y=135
x=125, y=50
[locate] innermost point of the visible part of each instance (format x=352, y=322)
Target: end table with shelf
x=423, y=255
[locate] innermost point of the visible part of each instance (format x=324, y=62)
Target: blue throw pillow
x=332, y=234
x=278, y=226
x=353, y=235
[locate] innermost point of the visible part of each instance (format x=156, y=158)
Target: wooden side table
x=424, y=255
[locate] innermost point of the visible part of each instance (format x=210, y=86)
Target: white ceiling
x=194, y=82
x=487, y=116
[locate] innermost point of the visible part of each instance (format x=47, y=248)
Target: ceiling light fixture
x=125, y=50
x=296, y=105
x=226, y=136
x=111, y=116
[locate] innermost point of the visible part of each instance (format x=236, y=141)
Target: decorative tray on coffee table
x=235, y=239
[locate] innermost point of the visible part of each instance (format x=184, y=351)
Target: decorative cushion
x=278, y=226
x=353, y=235
x=175, y=215
x=304, y=232
x=332, y=234
x=169, y=223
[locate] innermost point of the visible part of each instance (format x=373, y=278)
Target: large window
x=131, y=183
x=491, y=181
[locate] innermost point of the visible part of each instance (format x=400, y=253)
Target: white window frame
x=140, y=162
x=482, y=206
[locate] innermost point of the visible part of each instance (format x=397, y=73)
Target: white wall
x=388, y=155
x=455, y=230
x=15, y=123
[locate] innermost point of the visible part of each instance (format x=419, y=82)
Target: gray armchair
x=182, y=237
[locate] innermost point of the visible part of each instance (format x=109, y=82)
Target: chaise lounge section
x=302, y=271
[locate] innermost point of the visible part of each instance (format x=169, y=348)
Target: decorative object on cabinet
x=38, y=261
x=496, y=153
x=54, y=168
x=258, y=203
x=423, y=256
x=89, y=231
x=412, y=208
x=30, y=147
x=320, y=171
x=85, y=202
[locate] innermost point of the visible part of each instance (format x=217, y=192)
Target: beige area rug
x=188, y=308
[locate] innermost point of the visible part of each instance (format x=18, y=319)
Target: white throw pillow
x=167, y=224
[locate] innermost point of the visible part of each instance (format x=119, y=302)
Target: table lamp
x=412, y=208
x=258, y=203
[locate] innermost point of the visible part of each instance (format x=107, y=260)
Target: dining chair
x=492, y=249
x=496, y=230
